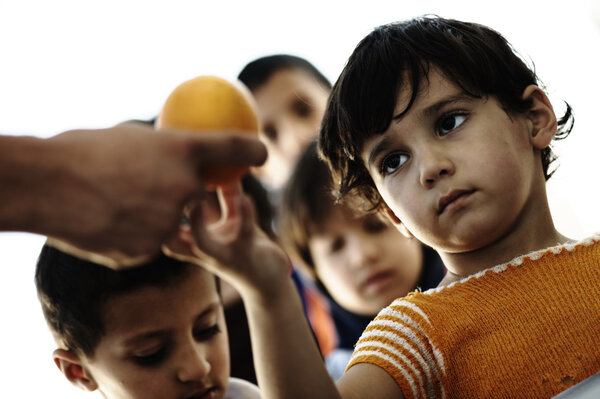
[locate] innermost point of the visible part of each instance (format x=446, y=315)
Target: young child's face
x=458, y=172
x=168, y=342
x=364, y=263
x=291, y=105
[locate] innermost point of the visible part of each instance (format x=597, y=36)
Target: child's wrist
x=268, y=292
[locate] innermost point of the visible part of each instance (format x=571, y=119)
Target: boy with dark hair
x=441, y=126
x=359, y=263
x=153, y=331
x=291, y=94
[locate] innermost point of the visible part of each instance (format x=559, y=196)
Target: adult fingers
x=228, y=148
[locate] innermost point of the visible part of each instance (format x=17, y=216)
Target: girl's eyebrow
x=379, y=148
x=434, y=108
x=427, y=112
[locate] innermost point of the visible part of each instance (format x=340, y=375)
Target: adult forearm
x=287, y=360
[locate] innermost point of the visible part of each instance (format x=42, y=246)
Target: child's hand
x=233, y=247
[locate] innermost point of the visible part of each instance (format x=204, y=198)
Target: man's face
x=164, y=342
x=291, y=106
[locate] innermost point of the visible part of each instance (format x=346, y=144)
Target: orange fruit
x=210, y=104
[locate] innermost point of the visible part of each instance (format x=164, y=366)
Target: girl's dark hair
x=72, y=292
x=398, y=56
x=306, y=204
x=257, y=72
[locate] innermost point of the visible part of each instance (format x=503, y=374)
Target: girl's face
x=456, y=171
x=364, y=263
x=164, y=342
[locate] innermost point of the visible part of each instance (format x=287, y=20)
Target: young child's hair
x=306, y=204
x=257, y=72
x=72, y=292
x=399, y=55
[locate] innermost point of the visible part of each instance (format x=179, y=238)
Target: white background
x=72, y=64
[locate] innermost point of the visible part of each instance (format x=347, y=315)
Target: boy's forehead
x=182, y=297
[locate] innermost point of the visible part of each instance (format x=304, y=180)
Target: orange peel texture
x=210, y=104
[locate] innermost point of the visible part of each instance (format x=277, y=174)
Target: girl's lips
x=451, y=198
x=377, y=280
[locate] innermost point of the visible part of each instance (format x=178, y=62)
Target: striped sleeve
x=397, y=341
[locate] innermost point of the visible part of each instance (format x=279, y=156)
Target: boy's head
x=398, y=58
x=361, y=261
x=155, y=331
x=291, y=95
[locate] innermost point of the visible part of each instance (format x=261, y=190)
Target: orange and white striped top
x=529, y=328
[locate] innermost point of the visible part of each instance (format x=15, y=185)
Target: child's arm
x=288, y=362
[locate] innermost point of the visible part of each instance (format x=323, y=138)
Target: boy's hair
x=257, y=72
x=72, y=292
x=398, y=56
x=306, y=204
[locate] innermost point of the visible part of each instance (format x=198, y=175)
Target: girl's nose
x=434, y=164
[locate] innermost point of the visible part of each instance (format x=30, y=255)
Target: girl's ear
x=72, y=368
x=396, y=221
x=541, y=117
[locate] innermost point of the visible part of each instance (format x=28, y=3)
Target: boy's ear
x=541, y=116
x=70, y=365
x=396, y=221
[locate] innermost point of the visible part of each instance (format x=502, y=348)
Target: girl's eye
x=392, y=162
x=151, y=359
x=203, y=334
x=450, y=122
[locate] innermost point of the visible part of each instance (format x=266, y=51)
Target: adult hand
x=112, y=195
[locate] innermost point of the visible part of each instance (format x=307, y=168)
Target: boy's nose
x=434, y=164
x=295, y=136
x=192, y=364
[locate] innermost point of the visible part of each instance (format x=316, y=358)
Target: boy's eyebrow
x=164, y=333
x=129, y=342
